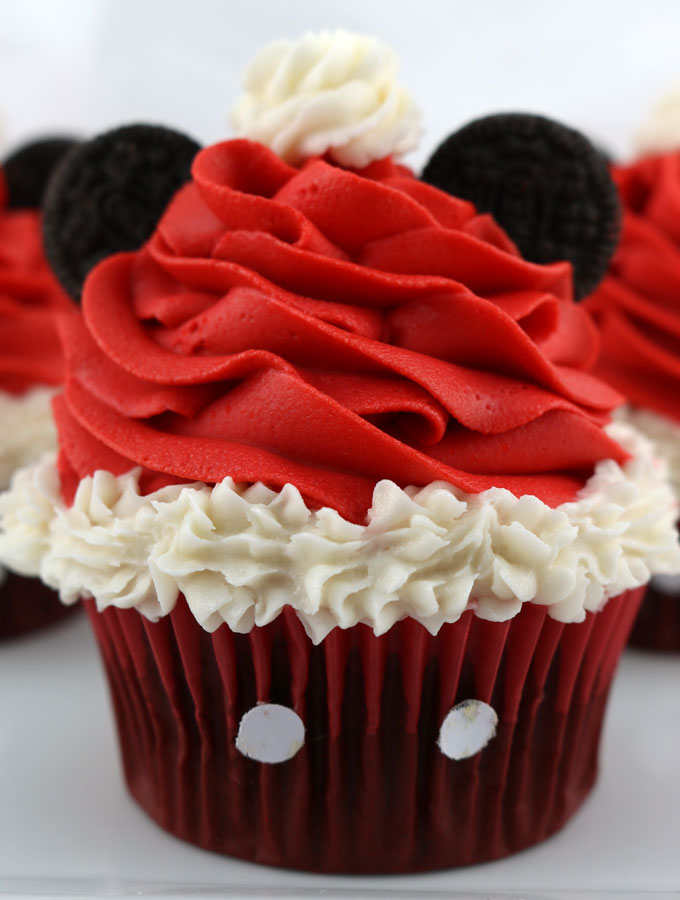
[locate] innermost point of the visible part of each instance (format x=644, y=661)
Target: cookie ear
x=107, y=195
x=544, y=183
x=28, y=170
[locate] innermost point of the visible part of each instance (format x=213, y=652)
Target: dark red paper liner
x=27, y=605
x=657, y=626
x=370, y=790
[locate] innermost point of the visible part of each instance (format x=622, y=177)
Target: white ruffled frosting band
x=664, y=434
x=331, y=91
x=239, y=555
x=26, y=429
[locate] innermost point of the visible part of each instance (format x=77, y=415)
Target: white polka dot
x=270, y=733
x=467, y=729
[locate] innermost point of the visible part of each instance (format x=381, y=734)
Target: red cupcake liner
x=370, y=789
x=26, y=604
x=657, y=626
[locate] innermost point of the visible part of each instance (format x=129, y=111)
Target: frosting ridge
x=30, y=298
x=331, y=329
x=636, y=306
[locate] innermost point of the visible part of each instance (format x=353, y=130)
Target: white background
x=90, y=64
x=66, y=825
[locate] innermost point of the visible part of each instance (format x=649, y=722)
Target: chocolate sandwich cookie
x=107, y=195
x=28, y=170
x=544, y=183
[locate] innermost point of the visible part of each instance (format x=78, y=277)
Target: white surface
x=68, y=827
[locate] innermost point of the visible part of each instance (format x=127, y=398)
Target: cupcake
x=358, y=541
x=31, y=364
x=637, y=308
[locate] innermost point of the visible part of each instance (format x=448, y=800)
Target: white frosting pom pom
x=660, y=133
x=331, y=92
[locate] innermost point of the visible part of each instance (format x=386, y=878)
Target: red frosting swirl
x=30, y=351
x=638, y=305
x=331, y=328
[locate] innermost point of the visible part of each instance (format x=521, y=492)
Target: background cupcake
x=31, y=362
x=291, y=351
x=637, y=308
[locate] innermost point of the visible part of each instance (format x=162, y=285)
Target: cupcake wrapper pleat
x=657, y=626
x=370, y=790
x=26, y=604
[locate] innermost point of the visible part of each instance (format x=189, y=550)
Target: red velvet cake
x=357, y=538
x=31, y=366
x=637, y=308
